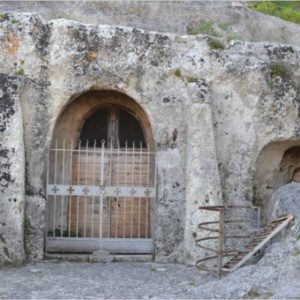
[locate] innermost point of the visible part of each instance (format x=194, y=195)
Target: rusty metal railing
x=224, y=234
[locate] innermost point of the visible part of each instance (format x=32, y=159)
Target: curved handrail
x=218, y=251
x=222, y=233
x=205, y=268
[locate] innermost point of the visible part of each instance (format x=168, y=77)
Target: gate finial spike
x=95, y=142
x=87, y=143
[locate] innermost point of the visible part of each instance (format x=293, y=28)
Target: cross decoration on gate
x=55, y=189
x=102, y=188
x=132, y=191
x=70, y=190
x=117, y=191
x=147, y=192
x=86, y=190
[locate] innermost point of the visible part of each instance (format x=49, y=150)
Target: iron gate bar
x=70, y=182
x=125, y=183
x=135, y=191
x=101, y=199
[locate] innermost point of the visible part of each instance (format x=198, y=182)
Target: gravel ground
x=121, y=280
x=276, y=276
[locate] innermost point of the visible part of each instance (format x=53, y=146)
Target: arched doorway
x=276, y=166
x=101, y=182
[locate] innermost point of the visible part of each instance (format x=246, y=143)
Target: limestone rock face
x=12, y=171
x=286, y=201
x=225, y=106
x=230, y=18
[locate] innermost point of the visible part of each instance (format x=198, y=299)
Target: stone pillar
x=202, y=180
x=12, y=171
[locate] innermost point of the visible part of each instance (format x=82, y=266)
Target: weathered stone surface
x=12, y=170
x=100, y=257
x=230, y=18
x=201, y=163
x=34, y=227
x=286, y=201
x=248, y=107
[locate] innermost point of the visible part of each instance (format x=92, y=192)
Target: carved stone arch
x=73, y=117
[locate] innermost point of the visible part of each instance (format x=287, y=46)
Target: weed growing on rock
x=279, y=69
x=192, y=79
x=193, y=31
x=206, y=28
x=14, y=21
x=216, y=44
x=20, y=72
x=296, y=252
x=225, y=25
x=3, y=16
x=194, y=234
x=177, y=73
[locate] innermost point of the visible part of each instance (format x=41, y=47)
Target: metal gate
x=100, y=198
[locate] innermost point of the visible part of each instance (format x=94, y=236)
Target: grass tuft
x=279, y=69
x=286, y=10
x=225, y=25
x=3, y=16
x=177, y=73
x=216, y=44
x=206, y=28
x=20, y=72
x=191, y=79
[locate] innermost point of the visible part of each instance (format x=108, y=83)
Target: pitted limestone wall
x=228, y=18
x=12, y=171
x=201, y=163
x=211, y=111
